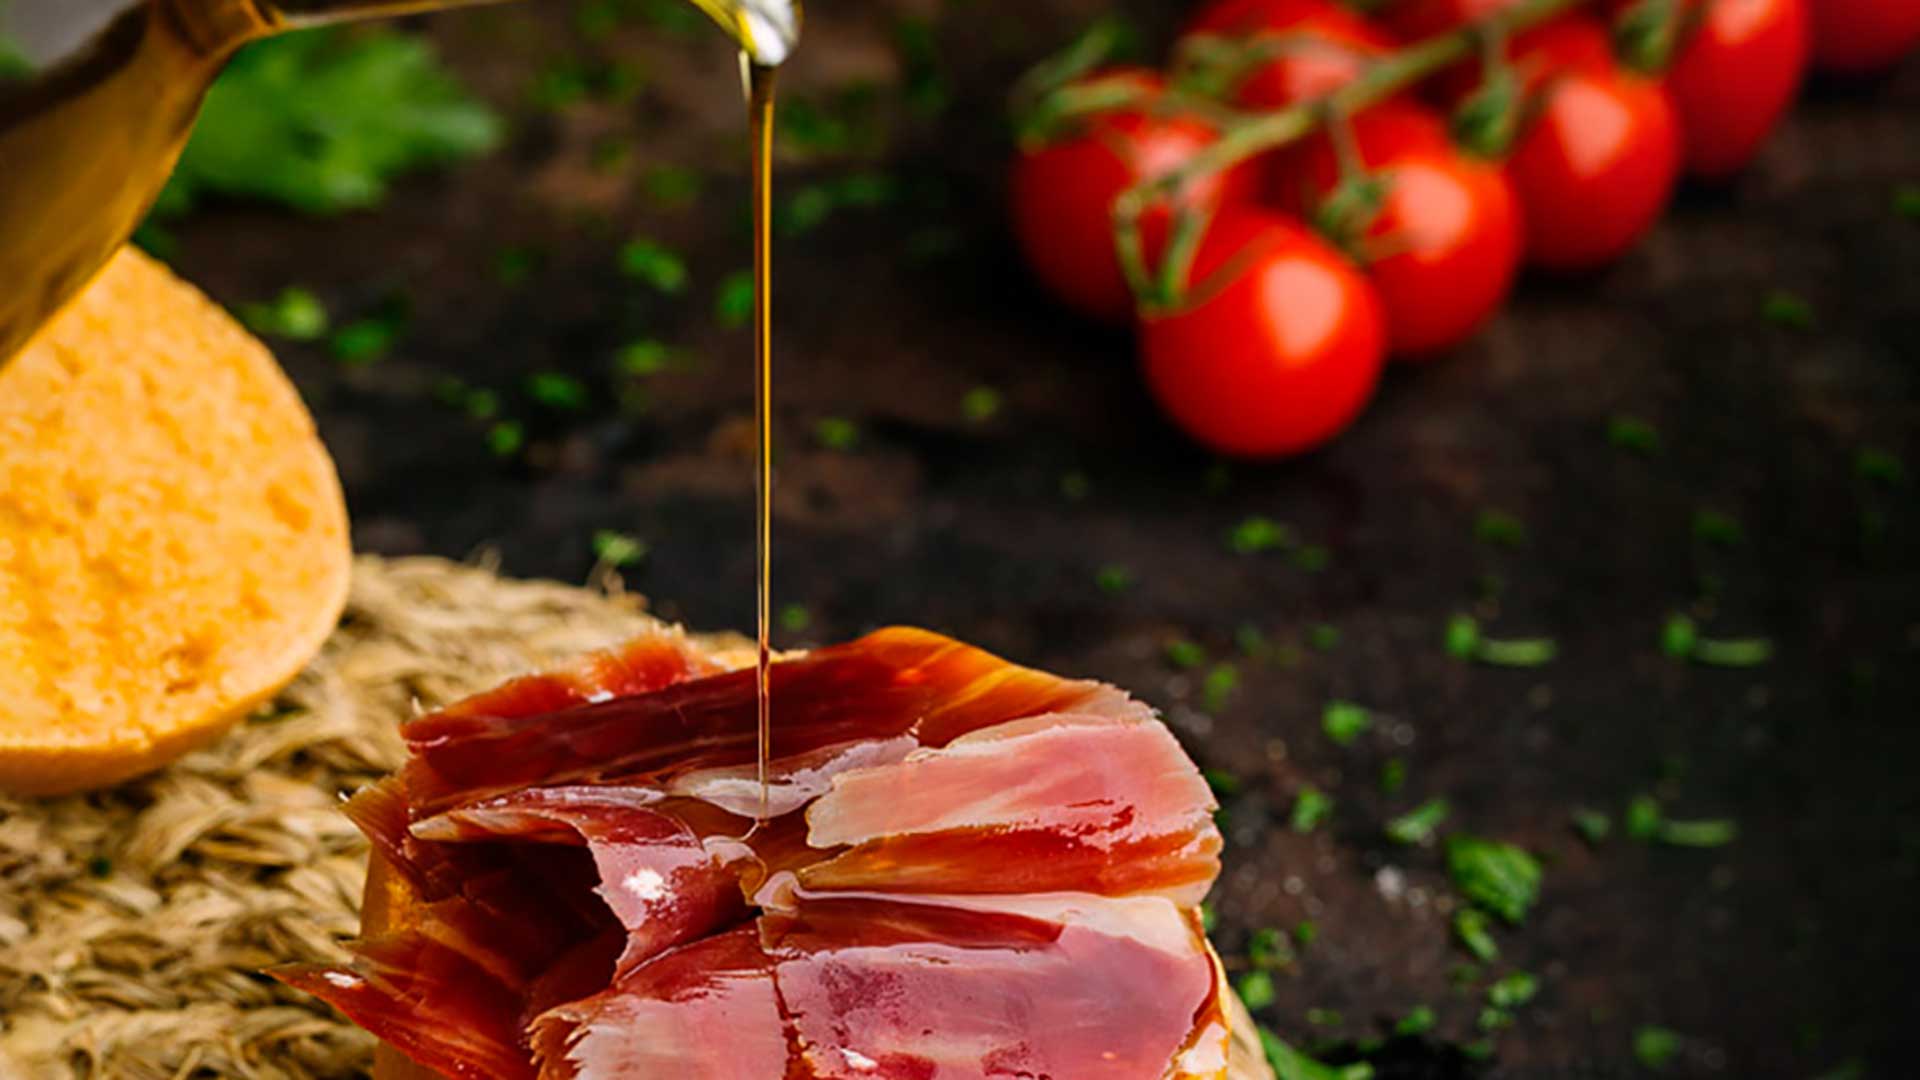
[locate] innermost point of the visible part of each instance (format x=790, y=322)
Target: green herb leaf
x=506, y=437
x=1320, y=1017
x=1255, y=989
x=1182, y=653
x=1324, y=637
x=1679, y=637
x=514, y=265
x=836, y=433
x=1500, y=529
x=1493, y=1018
x=363, y=341
x=1268, y=949
x=1257, y=534
x=795, y=618
x=980, y=404
x=639, y=359
x=1113, y=578
x=1632, y=433
x=1718, y=528
x=1463, y=974
x=1252, y=642
x=1592, y=825
x=295, y=314
x=322, y=121
x=557, y=390
x=1343, y=721
x=1498, y=876
x=645, y=260
x=1209, y=917
x=1418, y=1021
x=1512, y=990
x=1713, y=832
x=1311, y=558
x=1291, y=1064
x=1416, y=826
x=618, y=549
x=1879, y=466
x=1733, y=652
x=1655, y=1047
x=1393, y=775
x=1221, y=681
x=1311, y=807
x=1643, y=817
x=1306, y=932
x=926, y=88
x=1475, y=932
x=1906, y=201
x=1783, y=308
x=733, y=301
x=1517, y=652
x=1223, y=783
x=1462, y=639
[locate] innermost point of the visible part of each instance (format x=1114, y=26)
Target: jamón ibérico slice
x=890, y=683
x=968, y=869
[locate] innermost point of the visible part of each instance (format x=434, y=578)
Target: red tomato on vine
x=1278, y=346
x=1733, y=76
x=1857, y=36
x=1600, y=152
x=1438, y=230
x=1316, y=46
x=1062, y=192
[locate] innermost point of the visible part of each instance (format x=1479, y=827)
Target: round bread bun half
x=173, y=539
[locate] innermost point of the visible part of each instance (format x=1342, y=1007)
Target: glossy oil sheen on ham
x=969, y=870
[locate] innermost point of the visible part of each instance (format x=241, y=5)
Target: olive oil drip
x=760, y=90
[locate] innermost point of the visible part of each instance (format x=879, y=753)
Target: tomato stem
x=1251, y=134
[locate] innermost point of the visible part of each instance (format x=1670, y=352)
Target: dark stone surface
x=1784, y=954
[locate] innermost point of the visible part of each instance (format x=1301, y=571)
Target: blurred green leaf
x=322, y=120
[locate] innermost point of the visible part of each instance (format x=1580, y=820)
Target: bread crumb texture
x=173, y=540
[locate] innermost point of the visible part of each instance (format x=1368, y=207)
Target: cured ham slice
x=968, y=869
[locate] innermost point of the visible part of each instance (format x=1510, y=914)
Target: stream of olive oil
x=760, y=91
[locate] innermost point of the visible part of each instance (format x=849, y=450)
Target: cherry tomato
x=1279, y=347
x=1857, y=36
x=1734, y=76
x=1598, y=158
x=1444, y=243
x=1062, y=195
x=1320, y=46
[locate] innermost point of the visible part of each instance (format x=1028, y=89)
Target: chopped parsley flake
x=1632, y=433
x=1312, y=558
x=670, y=186
x=1268, y=948
x=557, y=390
x=1475, y=932
x=1493, y=1018
x=618, y=549
x=1783, y=308
x=1291, y=1064
x=647, y=261
x=1311, y=808
x=1344, y=721
x=639, y=359
x=1306, y=932
x=1222, y=782
x=1221, y=681
x=295, y=314
x=1320, y=1017
x=505, y=438
x=1113, y=578
x=1517, y=652
x=1498, y=876
x=1593, y=825
x=1499, y=529
x=980, y=404
x=1182, y=653
x=1733, y=652
x=1512, y=990
x=1252, y=642
x=1258, y=534
x=836, y=433
x=1418, y=1021
x=1393, y=775
x=1416, y=826
x=1462, y=639
x=363, y=341
x=795, y=618
x=1906, y=201
x=1643, y=817
x=1717, y=528
x=733, y=301
x=1255, y=989
x=1655, y=1047
x=1324, y=637
x=1879, y=466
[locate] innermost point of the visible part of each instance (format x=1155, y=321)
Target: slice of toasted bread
x=173, y=540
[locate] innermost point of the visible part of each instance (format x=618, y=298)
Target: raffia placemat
x=134, y=921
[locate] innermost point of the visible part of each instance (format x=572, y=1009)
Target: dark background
x=1787, y=953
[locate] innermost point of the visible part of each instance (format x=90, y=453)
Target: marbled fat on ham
x=970, y=870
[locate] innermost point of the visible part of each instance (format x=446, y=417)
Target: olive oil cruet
x=97, y=98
